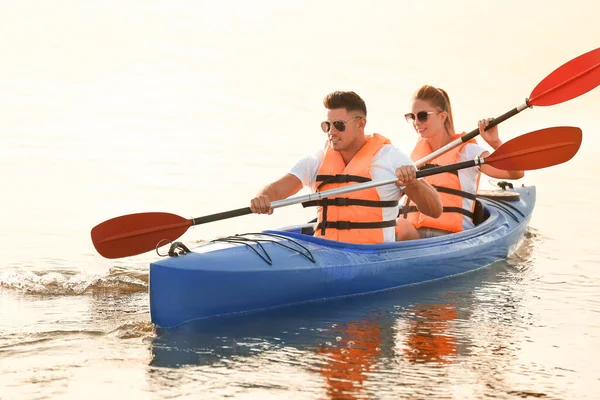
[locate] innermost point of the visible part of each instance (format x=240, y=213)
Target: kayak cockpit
x=497, y=208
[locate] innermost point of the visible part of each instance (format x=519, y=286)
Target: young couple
x=443, y=203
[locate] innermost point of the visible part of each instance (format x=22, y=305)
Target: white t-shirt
x=468, y=178
x=384, y=165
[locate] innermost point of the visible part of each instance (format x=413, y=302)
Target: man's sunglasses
x=339, y=125
x=421, y=116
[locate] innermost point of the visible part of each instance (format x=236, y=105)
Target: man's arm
x=282, y=188
x=425, y=197
x=419, y=191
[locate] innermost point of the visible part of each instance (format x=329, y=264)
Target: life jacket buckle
x=341, y=201
x=342, y=178
x=343, y=225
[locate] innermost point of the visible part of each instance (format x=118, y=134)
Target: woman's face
x=427, y=120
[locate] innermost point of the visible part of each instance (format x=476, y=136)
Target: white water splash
x=61, y=284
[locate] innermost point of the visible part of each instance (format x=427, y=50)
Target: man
x=350, y=157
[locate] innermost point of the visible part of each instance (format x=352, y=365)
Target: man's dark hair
x=347, y=100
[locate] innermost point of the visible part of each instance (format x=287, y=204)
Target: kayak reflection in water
x=428, y=335
x=351, y=358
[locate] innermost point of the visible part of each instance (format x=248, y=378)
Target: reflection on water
x=349, y=361
x=473, y=336
x=356, y=346
x=427, y=335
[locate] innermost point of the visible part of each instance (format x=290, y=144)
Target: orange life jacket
x=357, y=218
x=449, y=188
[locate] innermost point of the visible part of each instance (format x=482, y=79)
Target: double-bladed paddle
x=570, y=80
x=134, y=234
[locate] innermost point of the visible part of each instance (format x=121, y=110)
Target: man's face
x=340, y=138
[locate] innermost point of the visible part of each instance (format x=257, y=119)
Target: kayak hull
x=280, y=268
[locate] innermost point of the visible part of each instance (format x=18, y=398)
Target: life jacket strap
x=344, y=201
x=442, y=189
x=341, y=202
x=339, y=178
x=344, y=225
x=459, y=210
x=456, y=192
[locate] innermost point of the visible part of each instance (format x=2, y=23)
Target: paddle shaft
x=471, y=135
x=534, y=150
x=222, y=215
x=134, y=234
x=334, y=192
x=570, y=80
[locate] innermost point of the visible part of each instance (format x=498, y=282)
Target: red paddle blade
x=537, y=149
x=134, y=234
x=576, y=77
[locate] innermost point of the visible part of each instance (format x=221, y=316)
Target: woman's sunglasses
x=339, y=125
x=421, y=116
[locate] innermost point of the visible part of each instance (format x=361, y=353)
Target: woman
x=431, y=116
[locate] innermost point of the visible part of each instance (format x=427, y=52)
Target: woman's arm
x=492, y=138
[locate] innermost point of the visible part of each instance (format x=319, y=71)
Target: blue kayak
x=259, y=271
